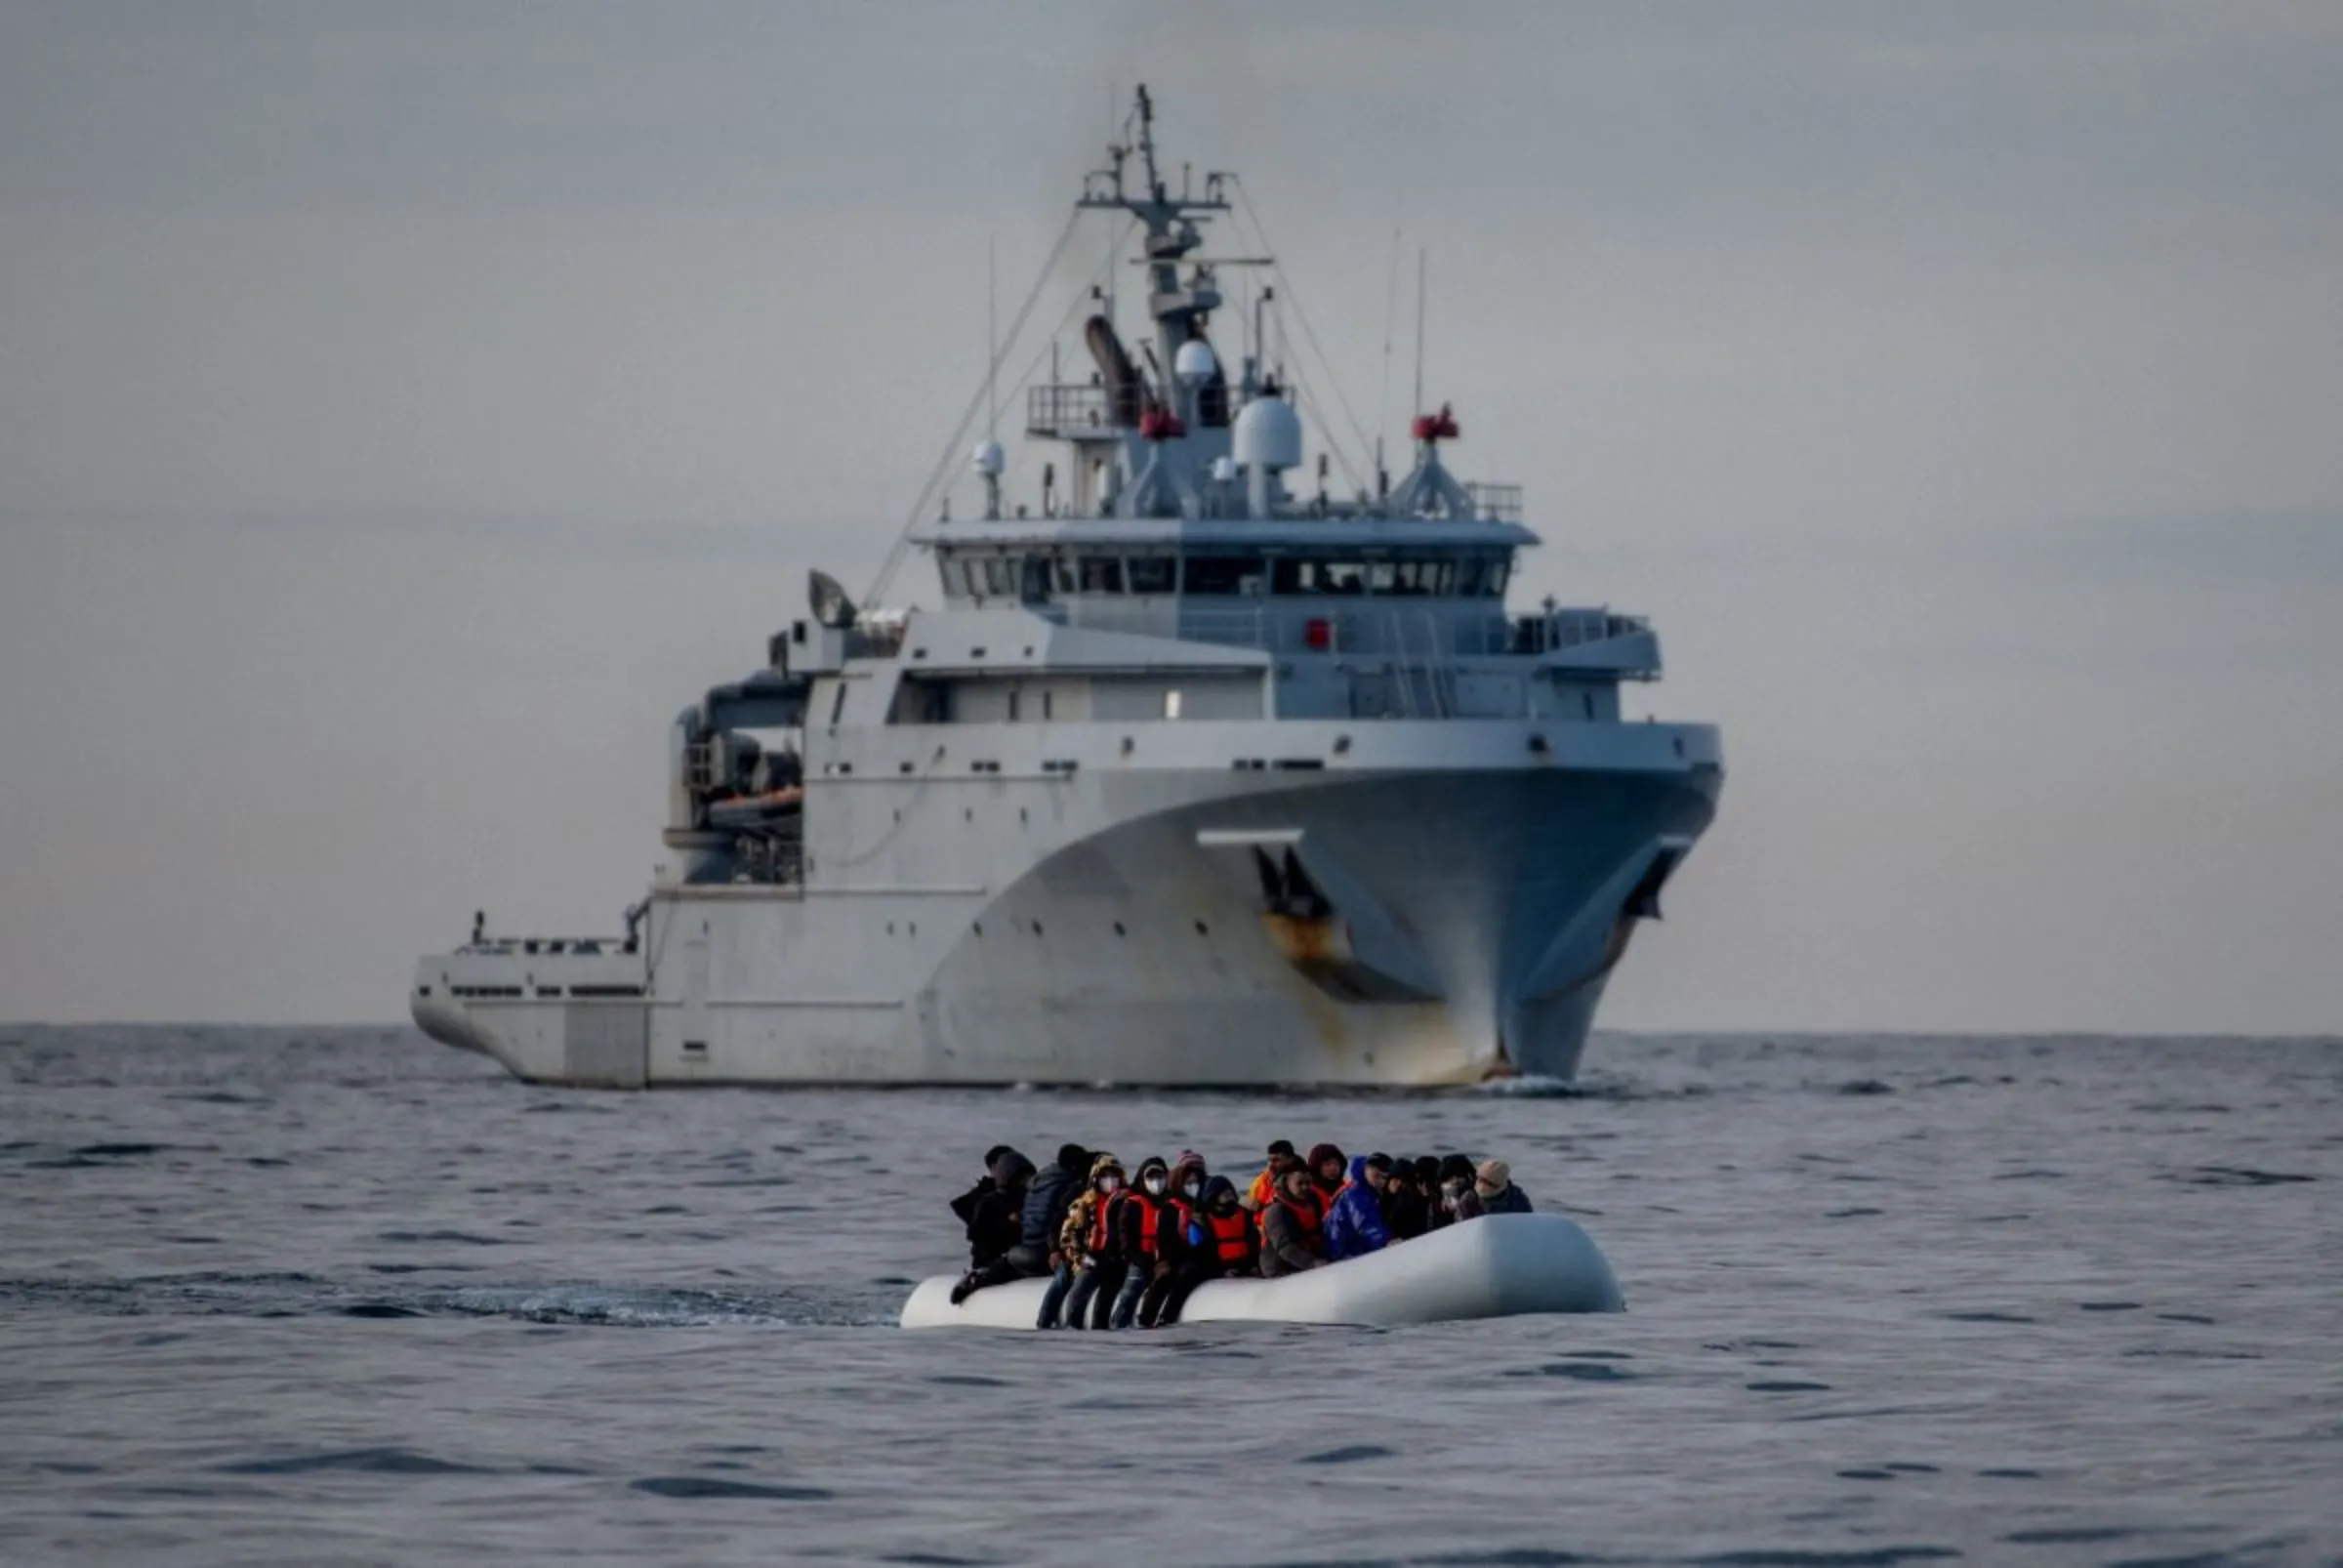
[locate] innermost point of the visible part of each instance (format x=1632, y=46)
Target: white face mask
x=1453, y=1186
x=1155, y=1183
x=1190, y=1189
x=1108, y=1183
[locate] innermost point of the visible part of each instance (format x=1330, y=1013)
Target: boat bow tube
x=1499, y=1267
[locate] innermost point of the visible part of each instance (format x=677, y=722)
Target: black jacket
x=994, y=1225
x=1046, y=1204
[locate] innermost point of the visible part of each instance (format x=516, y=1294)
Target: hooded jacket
x=1244, y=1232
x=1074, y=1235
x=996, y=1220
x=1177, y=1236
x=1130, y=1213
x=1046, y=1202
x=1354, y=1220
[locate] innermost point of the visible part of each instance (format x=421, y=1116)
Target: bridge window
x=1314, y=577
x=1102, y=574
x=1482, y=577
x=956, y=577
x=1000, y=576
x=1248, y=575
x=1152, y=574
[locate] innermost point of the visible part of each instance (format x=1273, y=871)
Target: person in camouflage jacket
x=1097, y=1270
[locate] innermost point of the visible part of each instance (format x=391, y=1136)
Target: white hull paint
x=1112, y=927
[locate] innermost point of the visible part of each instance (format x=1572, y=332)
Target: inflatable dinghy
x=1496, y=1266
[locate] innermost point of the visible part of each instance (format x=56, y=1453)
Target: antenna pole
x=992, y=346
x=1420, y=256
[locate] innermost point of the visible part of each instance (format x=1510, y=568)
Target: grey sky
x=406, y=409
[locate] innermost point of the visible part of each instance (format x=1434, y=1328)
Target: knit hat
x=1495, y=1176
x=1320, y=1153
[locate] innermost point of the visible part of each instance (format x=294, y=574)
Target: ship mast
x=1179, y=308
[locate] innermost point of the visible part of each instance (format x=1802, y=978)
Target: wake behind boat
x=1499, y=1265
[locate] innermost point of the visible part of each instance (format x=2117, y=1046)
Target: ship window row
x=1040, y=578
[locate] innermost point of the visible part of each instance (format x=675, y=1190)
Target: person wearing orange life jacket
x=1088, y=1238
x=1225, y=1244
x=1291, y=1227
x=1178, y=1238
x=1328, y=1169
x=1281, y=1159
x=1137, y=1225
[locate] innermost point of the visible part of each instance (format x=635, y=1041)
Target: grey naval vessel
x=1205, y=771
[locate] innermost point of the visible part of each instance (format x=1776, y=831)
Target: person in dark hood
x=1289, y=1228
x=964, y=1205
x=1354, y=1220
x=1046, y=1201
x=1403, y=1202
x=1328, y=1169
x=1177, y=1237
x=1427, y=1182
x=1139, y=1226
x=1223, y=1243
x=1457, y=1200
x=997, y=1225
x=1051, y=1194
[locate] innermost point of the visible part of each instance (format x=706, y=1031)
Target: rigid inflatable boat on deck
x=1497, y=1266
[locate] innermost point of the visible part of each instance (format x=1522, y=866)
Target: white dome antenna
x=1267, y=442
x=988, y=458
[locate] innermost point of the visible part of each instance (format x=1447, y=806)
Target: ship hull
x=1419, y=928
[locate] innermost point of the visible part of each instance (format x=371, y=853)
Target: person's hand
x=1057, y=1261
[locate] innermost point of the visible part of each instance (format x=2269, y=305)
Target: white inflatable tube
x=1493, y=1268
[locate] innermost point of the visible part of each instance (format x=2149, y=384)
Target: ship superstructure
x=1202, y=773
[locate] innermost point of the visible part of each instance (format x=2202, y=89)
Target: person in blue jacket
x=1354, y=1220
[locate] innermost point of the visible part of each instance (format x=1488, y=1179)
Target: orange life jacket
x=1151, y=1215
x=1103, y=1215
x=1229, y=1235
x=1306, y=1214
x=1180, y=1219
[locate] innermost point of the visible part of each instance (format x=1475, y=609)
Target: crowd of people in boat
x=1123, y=1248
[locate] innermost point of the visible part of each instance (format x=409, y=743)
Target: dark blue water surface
x=345, y=1297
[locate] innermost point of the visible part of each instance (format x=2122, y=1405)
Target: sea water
x=347, y=1297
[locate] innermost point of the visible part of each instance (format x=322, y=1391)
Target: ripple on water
x=1351, y=1454
x=2235, y=1175
x=375, y=1461
x=710, y=1486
